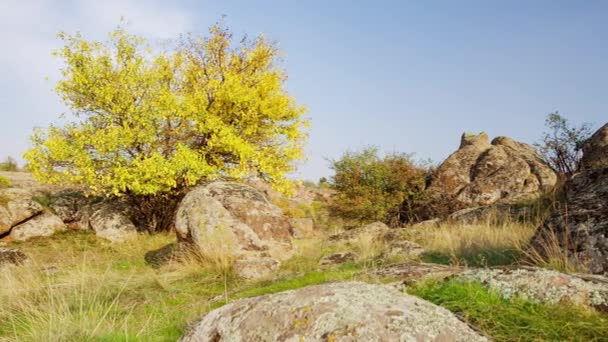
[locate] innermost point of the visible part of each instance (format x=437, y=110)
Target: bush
x=5, y=183
x=561, y=144
x=373, y=188
x=9, y=164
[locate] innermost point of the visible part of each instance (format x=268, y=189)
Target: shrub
x=561, y=145
x=9, y=164
x=5, y=182
x=373, y=188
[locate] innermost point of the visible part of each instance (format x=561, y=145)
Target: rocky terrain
x=282, y=277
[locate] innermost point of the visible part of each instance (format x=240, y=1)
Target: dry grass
x=554, y=252
x=478, y=244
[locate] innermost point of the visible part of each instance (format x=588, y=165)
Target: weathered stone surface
x=45, y=224
x=349, y=311
x=581, y=226
x=595, y=150
x=67, y=204
x=483, y=173
x=376, y=231
x=302, y=227
x=16, y=206
x=255, y=266
x=414, y=272
x=492, y=213
x=337, y=258
x=542, y=285
x=238, y=215
x=393, y=244
x=11, y=257
x=403, y=248
x=109, y=221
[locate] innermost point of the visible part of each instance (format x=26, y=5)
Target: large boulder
x=109, y=220
x=16, y=206
x=45, y=224
x=482, y=173
x=237, y=216
x=581, y=225
x=351, y=311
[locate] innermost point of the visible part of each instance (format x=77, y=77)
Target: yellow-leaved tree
x=147, y=125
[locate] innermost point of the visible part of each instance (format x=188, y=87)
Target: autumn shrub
x=370, y=187
x=148, y=125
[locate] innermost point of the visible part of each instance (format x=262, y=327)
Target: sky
x=406, y=76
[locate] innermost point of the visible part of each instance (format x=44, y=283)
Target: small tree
x=373, y=188
x=9, y=164
x=148, y=125
x=560, y=145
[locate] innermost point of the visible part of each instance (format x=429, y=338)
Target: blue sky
x=405, y=76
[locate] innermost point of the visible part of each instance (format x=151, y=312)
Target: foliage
x=9, y=164
x=5, y=182
x=561, y=144
x=150, y=123
x=517, y=319
x=373, y=188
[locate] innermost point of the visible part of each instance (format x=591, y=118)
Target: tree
x=373, y=188
x=9, y=164
x=148, y=125
x=561, y=144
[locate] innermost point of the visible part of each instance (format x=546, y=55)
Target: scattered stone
x=481, y=173
x=427, y=223
x=255, y=267
x=162, y=256
x=377, y=231
x=581, y=226
x=542, y=285
x=11, y=257
x=403, y=248
x=236, y=215
x=350, y=311
x=411, y=273
x=45, y=224
x=337, y=258
x=302, y=227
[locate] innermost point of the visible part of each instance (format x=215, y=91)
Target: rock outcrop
x=45, y=224
x=351, y=311
x=581, y=224
x=483, y=173
x=238, y=217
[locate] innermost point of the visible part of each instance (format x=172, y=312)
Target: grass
x=80, y=288
x=516, y=319
x=474, y=244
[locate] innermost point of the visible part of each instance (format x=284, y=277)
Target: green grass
x=517, y=319
x=475, y=258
